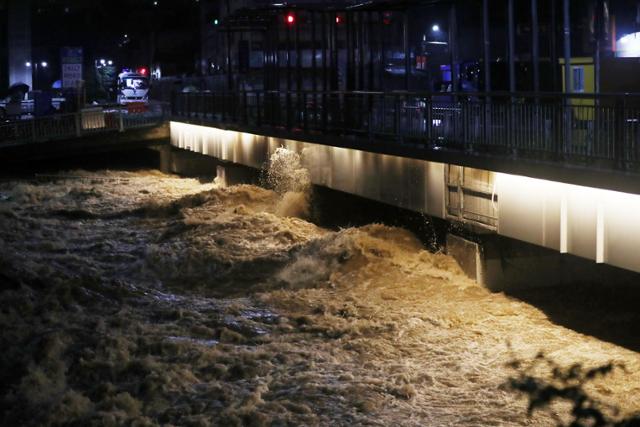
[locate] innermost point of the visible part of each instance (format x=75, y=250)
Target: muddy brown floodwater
x=137, y=298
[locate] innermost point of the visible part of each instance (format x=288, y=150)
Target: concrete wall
x=599, y=225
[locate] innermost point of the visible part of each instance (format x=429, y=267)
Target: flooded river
x=137, y=298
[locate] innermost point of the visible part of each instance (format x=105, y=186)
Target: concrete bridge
x=551, y=172
x=92, y=130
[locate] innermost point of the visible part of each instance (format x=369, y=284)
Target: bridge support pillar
x=189, y=163
x=468, y=254
x=186, y=163
x=503, y=264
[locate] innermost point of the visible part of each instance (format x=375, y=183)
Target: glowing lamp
x=628, y=46
x=290, y=19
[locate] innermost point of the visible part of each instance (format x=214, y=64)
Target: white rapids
x=137, y=298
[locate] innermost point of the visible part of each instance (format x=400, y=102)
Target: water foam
x=287, y=176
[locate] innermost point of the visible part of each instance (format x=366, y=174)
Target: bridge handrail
x=601, y=131
x=428, y=94
x=88, y=121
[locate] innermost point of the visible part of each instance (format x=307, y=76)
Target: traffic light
x=387, y=18
x=338, y=19
x=290, y=18
x=213, y=19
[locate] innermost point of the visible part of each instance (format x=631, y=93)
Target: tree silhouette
x=568, y=384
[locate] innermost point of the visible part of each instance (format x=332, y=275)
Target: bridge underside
x=591, y=223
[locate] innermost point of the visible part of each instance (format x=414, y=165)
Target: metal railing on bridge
x=89, y=121
x=598, y=130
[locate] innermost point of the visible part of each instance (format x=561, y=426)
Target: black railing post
x=223, y=111
x=230, y=101
x=237, y=103
x=568, y=128
x=193, y=103
x=619, y=140
x=325, y=111
x=429, y=118
x=306, y=111
x=485, y=129
x=212, y=107
x=370, y=117
x=201, y=108
x=396, y=117
x=626, y=141
x=288, y=109
x=258, y=112
x=316, y=117
x=558, y=130
x=174, y=103
x=632, y=136
x=245, y=108
x=345, y=112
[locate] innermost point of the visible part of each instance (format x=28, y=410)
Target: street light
x=435, y=28
x=102, y=62
x=35, y=65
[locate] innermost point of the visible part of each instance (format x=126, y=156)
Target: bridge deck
x=582, y=139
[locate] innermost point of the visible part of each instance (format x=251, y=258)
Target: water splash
x=285, y=172
x=287, y=176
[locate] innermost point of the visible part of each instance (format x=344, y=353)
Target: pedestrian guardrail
x=88, y=121
x=603, y=130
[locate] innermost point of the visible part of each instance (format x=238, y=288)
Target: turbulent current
x=137, y=298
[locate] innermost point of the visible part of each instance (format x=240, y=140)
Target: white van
x=133, y=87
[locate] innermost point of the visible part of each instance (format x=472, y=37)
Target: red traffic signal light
x=290, y=19
x=338, y=19
x=387, y=18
